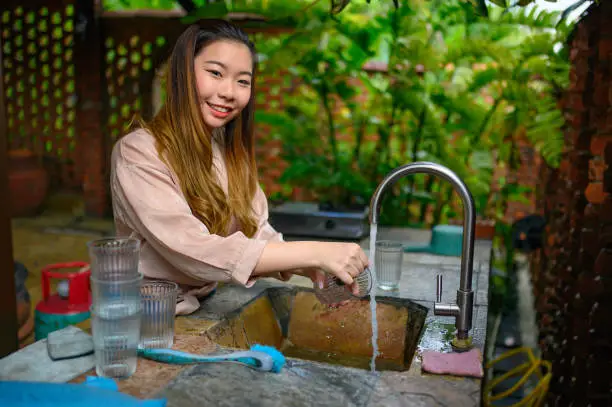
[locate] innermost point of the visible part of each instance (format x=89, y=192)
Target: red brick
x=576, y=102
x=605, y=49
x=601, y=92
x=608, y=124
x=595, y=193
x=599, y=142
x=596, y=169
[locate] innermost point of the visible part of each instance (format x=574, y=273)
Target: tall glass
x=106, y=292
x=388, y=264
x=116, y=332
x=114, y=258
x=158, y=313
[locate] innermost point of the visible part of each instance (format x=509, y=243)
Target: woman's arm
x=304, y=258
x=344, y=260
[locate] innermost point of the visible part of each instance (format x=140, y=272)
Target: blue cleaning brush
x=259, y=357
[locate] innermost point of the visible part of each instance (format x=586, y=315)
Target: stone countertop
x=307, y=383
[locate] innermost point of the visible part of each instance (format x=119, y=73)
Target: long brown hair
x=184, y=142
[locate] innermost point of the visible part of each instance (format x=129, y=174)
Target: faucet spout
x=463, y=309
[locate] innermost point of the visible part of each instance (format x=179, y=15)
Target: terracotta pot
x=28, y=183
x=485, y=229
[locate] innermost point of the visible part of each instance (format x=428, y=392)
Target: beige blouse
x=175, y=245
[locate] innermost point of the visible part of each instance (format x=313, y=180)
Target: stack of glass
x=116, y=305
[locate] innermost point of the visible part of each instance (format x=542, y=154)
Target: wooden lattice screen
x=39, y=79
x=74, y=79
x=131, y=58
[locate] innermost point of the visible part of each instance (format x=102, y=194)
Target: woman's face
x=224, y=72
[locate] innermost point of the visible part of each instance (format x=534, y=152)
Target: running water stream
x=372, y=254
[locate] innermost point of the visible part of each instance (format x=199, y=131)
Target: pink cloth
x=455, y=363
x=148, y=204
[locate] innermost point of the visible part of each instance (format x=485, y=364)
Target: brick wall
x=572, y=273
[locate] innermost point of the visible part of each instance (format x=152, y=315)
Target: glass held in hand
x=334, y=290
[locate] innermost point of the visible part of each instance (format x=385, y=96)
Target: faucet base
x=462, y=345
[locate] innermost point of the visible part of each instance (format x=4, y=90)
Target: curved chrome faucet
x=462, y=310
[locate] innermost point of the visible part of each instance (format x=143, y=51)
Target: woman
x=186, y=183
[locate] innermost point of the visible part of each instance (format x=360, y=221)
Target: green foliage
x=454, y=76
x=460, y=90
x=333, y=7
x=115, y=5
x=479, y=6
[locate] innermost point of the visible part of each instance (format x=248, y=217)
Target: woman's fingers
x=317, y=276
x=364, y=259
x=345, y=276
x=355, y=270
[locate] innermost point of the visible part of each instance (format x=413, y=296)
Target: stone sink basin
x=294, y=321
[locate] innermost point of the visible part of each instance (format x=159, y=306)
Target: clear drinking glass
x=388, y=264
x=114, y=258
x=335, y=291
x=106, y=292
x=116, y=332
x=158, y=313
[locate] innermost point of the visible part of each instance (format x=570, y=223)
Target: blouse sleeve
x=265, y=231
x=154, y=207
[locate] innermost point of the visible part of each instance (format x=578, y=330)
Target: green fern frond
x=534, y=18
x=478, y=49
x=484, y=78
x=545, y=131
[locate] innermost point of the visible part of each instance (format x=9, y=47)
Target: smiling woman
x=223, y=73
x=186, y=183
